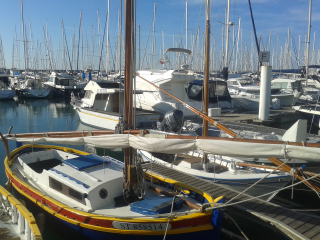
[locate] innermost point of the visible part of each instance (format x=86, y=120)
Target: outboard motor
x=172, y=121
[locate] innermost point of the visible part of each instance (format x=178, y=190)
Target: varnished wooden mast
x=127, y=116
x=206, y=78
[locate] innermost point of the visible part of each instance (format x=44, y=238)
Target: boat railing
x=20, y=216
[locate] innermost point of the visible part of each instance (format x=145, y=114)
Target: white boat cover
x=175, y=146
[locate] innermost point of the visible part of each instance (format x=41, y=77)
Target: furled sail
x=161, y=144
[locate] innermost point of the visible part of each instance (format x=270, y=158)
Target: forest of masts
x=94, y=49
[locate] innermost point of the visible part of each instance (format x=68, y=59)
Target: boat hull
x=7, y=94
x=33, y=93
x=235, y=181
x=97, y=119
x=252, y=102
x=66, y=92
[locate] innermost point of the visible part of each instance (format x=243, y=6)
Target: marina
x=142, y=131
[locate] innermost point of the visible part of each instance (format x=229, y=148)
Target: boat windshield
x=64, y=82
x=245, y=82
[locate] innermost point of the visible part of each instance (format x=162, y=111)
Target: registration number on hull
x=141, y=226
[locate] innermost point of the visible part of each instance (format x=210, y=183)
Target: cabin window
x=102, y=96
x=87, y=94
x=64, y=82
x=194, y=90
x=296, y=86
x=284, y=85
x=75, y=194
x=64, y=189
x=217, y=89
x=51, y=79
x=55, y=184
x=276, y=85
x=103, y=193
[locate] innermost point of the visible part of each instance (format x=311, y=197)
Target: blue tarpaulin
x=83, y=162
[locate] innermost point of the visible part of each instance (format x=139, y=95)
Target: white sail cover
x=175, y=146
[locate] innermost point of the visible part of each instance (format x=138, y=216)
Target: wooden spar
x=5, y=141
x=168, y=194
x=206, y=72
x=259, y=166
x=206, y=78
x=68, y=134
x=127, y=116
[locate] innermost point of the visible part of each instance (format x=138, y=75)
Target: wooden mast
x=206, y=78
x=127, y=115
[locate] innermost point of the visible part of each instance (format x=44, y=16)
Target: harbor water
x=56, y=114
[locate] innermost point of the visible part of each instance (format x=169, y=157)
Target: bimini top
x=178, y=50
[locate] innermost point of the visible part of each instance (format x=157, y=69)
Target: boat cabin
x=77, y=180
x=287, y=84
x=104, y=96
x=64, y=79
x=240, y=83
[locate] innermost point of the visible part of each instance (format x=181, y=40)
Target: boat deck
x=294, y=224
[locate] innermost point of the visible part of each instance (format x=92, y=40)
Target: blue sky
x=270, y=15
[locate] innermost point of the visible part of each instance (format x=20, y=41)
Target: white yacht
x=102, y=106
x=32, y=88
x=246, y=94
x=183, y=83
x=63, y=84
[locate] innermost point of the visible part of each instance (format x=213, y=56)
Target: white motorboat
x=63, y=84
x=183, y=83
x=32, y=88
x=246, y=94
x=102, y=106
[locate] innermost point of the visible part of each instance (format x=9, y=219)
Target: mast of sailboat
x=186, y=24
x=206, y=79
x=80, y=27
x=107, y=39
x=24, y=41
x=127, y=114
x=226, y=62
x=308, y=42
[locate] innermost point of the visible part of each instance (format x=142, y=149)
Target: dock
x=283, y=115
x=295, y=225
x=16, y=222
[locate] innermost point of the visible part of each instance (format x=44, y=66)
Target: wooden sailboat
x=97, y=198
